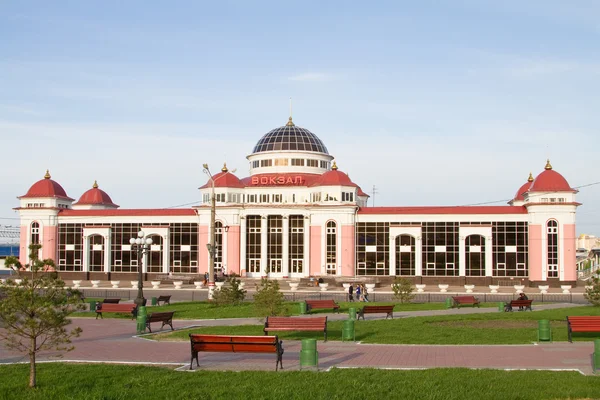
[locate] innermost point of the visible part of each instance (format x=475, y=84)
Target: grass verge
x=76, y=381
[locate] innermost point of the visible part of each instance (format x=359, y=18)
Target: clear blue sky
x=446, y=102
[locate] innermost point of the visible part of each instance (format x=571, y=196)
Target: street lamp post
x=212, y=250
x=141, y=244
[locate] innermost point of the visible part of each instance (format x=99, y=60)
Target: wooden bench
x=165, y=299
x=321, y=304
x=389, y=310
x=583, y=324
x=236, y=344
x=111, y=301
x=165, y=317
x=116, y=308
x=283, y=324
x=462, y=300
x=522, y=304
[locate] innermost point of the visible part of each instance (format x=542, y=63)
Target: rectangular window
x=312, y=163
x=264, y=198
x=298, y=162
x=324, y=164
x=255, y=164
x=266, y=163
x=276, y=198
x=281, y=162
x=251, y=198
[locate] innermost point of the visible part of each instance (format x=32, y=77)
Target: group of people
x=361, y=293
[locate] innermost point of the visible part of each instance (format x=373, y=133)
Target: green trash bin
x=596, y=354
x=352, y=313
x=348, y=332
x=309, y=356
x=501, y=306
x=544, y=331
x=141, y=319
x=448, y=302
x=154, y=301
x=302, y=307
x=92, y=305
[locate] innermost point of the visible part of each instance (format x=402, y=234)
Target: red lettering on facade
x=272, y=180
x=289, y=180
x=255, y=180
x=277, y=180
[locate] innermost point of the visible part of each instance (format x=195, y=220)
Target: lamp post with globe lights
x=211, y=238
x=141, y=244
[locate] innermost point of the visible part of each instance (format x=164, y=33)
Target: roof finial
x=290, y=122
x=95, y=185
x=47, y=176
x=548, y=165
x=224, y=169
x=530, y=179
x=334, y=167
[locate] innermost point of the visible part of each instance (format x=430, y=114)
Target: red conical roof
x=224, y=179
x=96, y=196
x=524, y=188
x=550, y=181
x=46, y=188
x=335, y=177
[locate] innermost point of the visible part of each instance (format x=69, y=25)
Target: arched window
x=331, y=248
x=552, y=249
x=35, y=233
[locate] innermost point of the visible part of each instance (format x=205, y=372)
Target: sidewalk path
x=114, y=341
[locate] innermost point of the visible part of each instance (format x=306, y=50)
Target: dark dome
x=290, y=137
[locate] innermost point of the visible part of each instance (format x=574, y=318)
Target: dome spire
x=95, y=185
x=334, y=167
x=548, y=165
x=290, y=122
x=530, y=179
x=47, y=176
x=224, y=169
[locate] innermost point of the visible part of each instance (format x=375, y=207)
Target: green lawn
x=489, y=328
x=206, y=310
x=115, y=382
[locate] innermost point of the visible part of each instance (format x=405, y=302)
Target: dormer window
x=347, y=196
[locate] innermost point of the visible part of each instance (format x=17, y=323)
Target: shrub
x=403, y=290
x=592, y=293
x=232, y=294
x=268, y=300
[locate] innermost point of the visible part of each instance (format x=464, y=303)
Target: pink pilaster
x=24, y=251
x=535, y=252
x=568, y=252
x=233, y=250
x=49, y=242
x=202, y=250
x=315, y=250
x=348, y=247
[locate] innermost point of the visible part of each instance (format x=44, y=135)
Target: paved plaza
x=114, y=341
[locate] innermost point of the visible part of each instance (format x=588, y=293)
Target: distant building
x=298, y=215
x=587, y=242
x=8, y=250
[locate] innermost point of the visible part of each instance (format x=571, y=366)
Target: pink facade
x=233, y=249
x=568, y=253
x=535, y=252
x=315, y=250
x=24, y=251
x=347, y=250
x=49, y=242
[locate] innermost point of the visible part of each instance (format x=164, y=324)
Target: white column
x=285, y=263
x=418, y=256
x=306, y=266
x=392, y=255
x=166, y=252
x=107, y=252
x=86, y=254
x=489, y=259
x=264, y=236
x=462, y=267
x=243, y=244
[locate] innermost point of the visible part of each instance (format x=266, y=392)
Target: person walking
x=350, y=293
x=365, y=294
x=358, y=293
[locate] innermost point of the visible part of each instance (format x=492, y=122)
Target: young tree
x=233, y=294
x=268, y=300
x=592, y=290
x=33, y=314
x=403, y=290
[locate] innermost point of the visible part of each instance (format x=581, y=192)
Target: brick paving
x=114, y=340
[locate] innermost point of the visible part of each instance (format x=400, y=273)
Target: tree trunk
x=32, y=371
